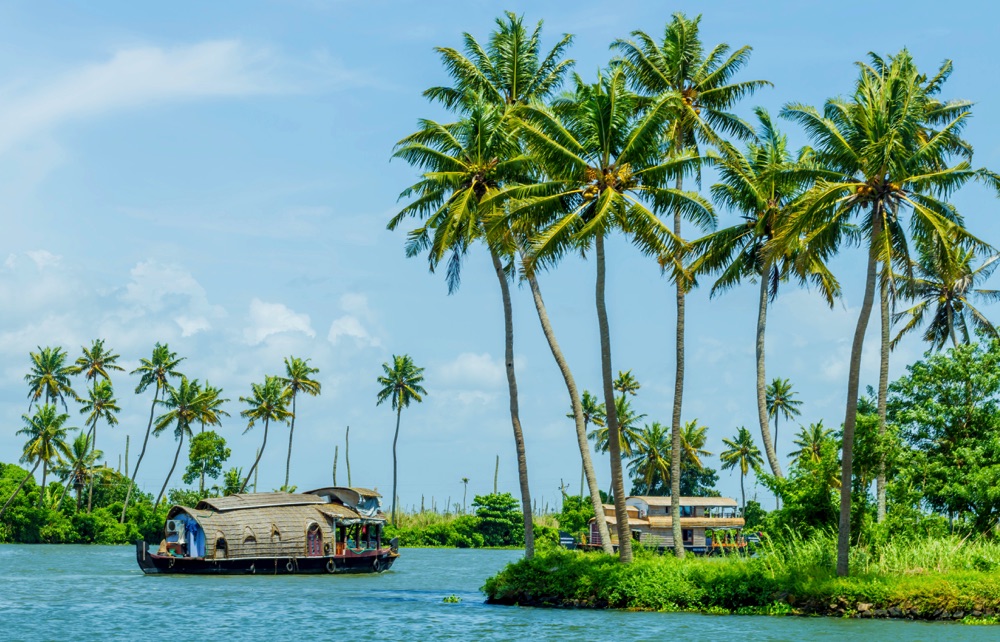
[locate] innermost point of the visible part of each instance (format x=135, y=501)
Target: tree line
x=533, y=175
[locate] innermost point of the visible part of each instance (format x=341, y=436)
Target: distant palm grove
x=534, y=163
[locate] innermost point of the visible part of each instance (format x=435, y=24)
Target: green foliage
x=500, y=521
x=576, y=514
x=206, y=456
x=797, y=577
x=753, y=515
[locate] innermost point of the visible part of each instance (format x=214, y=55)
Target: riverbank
x=959, y=584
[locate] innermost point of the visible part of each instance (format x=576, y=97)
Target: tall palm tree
x=48, y=380
x=211, y=415
x=693, y=438
x=185, y=405
x=601, y=159
x=400, y=383
x=781, y=401
x=650, y=462
x=95, y=364
x=46, y=432
x=79, y=466
x=893, y=145
x=465, y=491
x=762, y=185
x=100, y=405
x=298, y=379
x=943, y=284
x=267, y=402
x=705, y=91
x=509, y=71
x=155, y=371
x=742, y=452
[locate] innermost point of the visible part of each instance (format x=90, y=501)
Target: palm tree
x=810, y=442
x=101, y=405
x=46, y=434
x=762, y=185
x=744, y=453
x=601, y=158
x=96, y=361
x=48, y=380
x=211, y=415
x=79, y=466
x=628, y=429
x=268, y=402
x=465, y=491
x=650, y=462
x=943, y=284
x=892, y=145
x=626, y=383
x=185, y=405
x=780, y=400
x=693, y=440
x=155, y=371
x=704, y=93
x=400, y=383
x=297, y=379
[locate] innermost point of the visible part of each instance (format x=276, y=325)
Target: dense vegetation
x=939, y=578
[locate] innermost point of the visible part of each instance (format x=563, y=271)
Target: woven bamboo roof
x=259, y=500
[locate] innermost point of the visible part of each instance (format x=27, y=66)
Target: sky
x=218, y=177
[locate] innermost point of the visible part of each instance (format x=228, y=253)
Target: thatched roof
x=697, y=522
x=258, y=500
x=329, y=490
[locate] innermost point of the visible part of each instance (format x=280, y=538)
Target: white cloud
x=192, y=325
x=159, y=289
x=354, y=325
x=144, y=75
x=267, y=319
x=469, y=370
x=42, y=258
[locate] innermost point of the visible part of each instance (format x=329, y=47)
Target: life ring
x=326, y=548
x=253, y=569
x=330, y=566
x=377, y=565
x=172, y=560
x=288, y=566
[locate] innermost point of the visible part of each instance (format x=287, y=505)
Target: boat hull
x=367, y=562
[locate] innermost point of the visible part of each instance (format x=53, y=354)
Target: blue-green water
x=98, y=593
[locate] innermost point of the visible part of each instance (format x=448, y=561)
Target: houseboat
x=327, y=530
x=709, y=525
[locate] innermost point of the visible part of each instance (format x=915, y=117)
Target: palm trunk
x=883, y=391
x=743, y=495
x=675, y=418
x=581, y=427
x=41, y=491
x=614, y=434
x=769, y=446
x=515, y=419
x=253, y=469
x=347, y=455
x=291, y=431
x=19, y=487
x=63, y=496
x=336, y=455
x=201, y=482
x=399, y=414
x=93, y=477
x=149, y=426
x=166, y=481
x=851, y=413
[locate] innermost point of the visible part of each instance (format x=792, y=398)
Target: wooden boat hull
x=367, y=562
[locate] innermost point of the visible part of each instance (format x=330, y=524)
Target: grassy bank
x=932, y=579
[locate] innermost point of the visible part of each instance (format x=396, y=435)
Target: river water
x=98, y=593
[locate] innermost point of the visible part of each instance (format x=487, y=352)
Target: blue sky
x=218, y=177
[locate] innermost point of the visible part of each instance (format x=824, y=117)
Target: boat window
x=314, y=540
x=275, y=533
x=221, y=548
x=248, y=536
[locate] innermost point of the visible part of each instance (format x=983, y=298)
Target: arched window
x=314, y=540
x=275, y=533
x=221, y=547
x=249, y=538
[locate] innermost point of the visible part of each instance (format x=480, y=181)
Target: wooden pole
x=126, y=455
x=496, y=473
x=336, y=450
x=347, y=453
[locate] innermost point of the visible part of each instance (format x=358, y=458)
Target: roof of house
x=652, y=500
x=258, y=500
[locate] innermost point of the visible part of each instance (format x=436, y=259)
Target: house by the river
x=708, y=524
